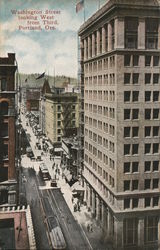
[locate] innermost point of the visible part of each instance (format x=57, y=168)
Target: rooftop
x=16, y=229
x=110, y=4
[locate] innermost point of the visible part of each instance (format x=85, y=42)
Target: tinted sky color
x=39, y=51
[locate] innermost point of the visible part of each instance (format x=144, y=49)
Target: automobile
x=53, y=183
x=39, y=158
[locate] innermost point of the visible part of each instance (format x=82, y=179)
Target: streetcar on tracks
x=44, y=173
x=54, y=230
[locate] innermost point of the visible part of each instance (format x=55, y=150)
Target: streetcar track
x=62, y=218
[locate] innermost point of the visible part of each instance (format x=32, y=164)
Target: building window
x=155, y=78
x=127, y=95
x=147, y=184
x=135, y=149
x=127, y=131
x=58, y=108
x=134, y=203
x=126, y=185
x=147, y=131
x=127, y=114
x=135, y=96
x=155, y=113
x=3, y=177
x=147, y=78
x=135, y=131
x=155, y=201
x=135, y=113
x=147, y=61
x=155, y=148
x=127, y=78
x=147, y=114
x=147, y=202
x=135, y=185
x=155, y=96
x=147, y=148
x=126, y=203
x=147, y=96
x=147, y=166
x=155, y=165
x=151, y=33
x=58, y=131
x=135, y=60
x=127, y=149
x=151, y=228
x=59, y=138
x=156, y=131
x=4, y=108
x=135, y=78
x=155, y=61
x=135, y=167
x=130, y=231
x=58, y=123
x=126, y=167
x=155, y=183
x=131, y=32
x=127, y=60
x=3, y=83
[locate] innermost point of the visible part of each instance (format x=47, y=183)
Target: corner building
x=120, y=55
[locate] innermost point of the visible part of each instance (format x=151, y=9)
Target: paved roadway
x=34, y=188
x=74, y=235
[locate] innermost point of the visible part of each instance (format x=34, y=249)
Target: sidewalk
x=84, y=218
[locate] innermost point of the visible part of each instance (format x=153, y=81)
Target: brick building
x=120, y=60
x=61, y=116
x=32, y=99
x=7, y=130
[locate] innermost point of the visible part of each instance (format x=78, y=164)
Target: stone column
x=109, y=37
x=103, y=40
x=159, y=233
x=141, y=232
x=141, y=33
x=118, y=233
x=85, y=49
x=93, y=203
x=88, y=196
x=97, y=208
x=110, y=223
x=85, y=191
x=89, y=47
x=119, y=33
x=98, y=42
x=159, y=35
x=93, y=44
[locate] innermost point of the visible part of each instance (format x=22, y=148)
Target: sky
x=49, y=50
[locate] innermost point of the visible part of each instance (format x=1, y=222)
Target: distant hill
x=29, y=80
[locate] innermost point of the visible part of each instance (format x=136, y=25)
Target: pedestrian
x=88, y=227
x=72, y=199
x=91, y=227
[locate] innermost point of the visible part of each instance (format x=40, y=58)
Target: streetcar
x=54, y=230
x=43, y=170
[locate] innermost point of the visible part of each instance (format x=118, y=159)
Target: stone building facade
x=120, y=55
x=61, y=116
x=8, y=182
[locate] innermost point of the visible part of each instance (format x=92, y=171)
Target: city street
x=34, y=188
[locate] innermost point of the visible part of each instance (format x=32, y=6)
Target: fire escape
x=67, y=118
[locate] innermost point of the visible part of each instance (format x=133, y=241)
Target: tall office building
x=8, y=182
x=120, y=54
